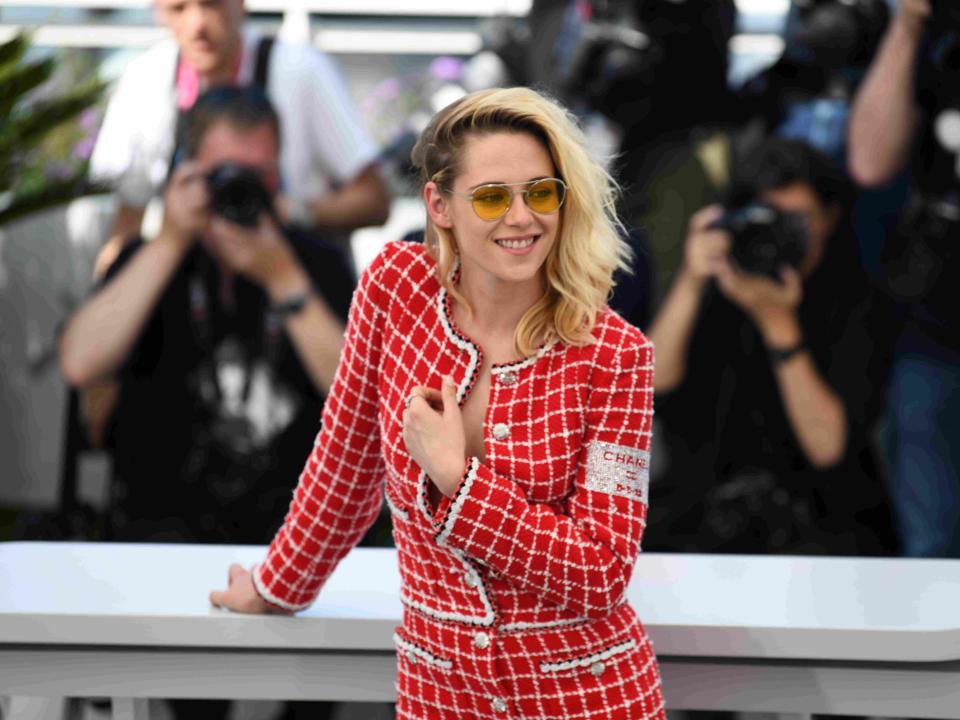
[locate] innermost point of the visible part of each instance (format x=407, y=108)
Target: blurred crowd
x=794, y=259
x=793, y=263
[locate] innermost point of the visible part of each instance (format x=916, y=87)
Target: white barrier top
x=692, y=605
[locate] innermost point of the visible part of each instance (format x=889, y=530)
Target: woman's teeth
x=517, y=244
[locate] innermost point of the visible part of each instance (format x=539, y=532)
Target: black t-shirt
x=216, y=414
x=736, y=479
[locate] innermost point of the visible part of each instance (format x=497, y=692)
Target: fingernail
x=448, y=379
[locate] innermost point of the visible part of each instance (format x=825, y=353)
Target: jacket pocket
x=595, y=663
x=415, y=654
x=397, y=511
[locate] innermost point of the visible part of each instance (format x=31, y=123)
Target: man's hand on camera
x=260, y=254
x=912, y=14
x=771, y=305
x=706, y=250
x=186, y=211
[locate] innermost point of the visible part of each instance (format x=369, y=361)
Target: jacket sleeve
x=341, y=487
x=581, y=555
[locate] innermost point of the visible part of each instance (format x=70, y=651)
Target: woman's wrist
x=448, y=479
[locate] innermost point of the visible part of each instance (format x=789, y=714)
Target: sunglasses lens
x=545, y=196
x=491, y=202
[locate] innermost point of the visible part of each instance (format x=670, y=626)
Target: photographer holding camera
x=771, y=351
x=224, y=333
x=907, y=117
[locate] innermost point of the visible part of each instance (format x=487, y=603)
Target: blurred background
x=402, y=61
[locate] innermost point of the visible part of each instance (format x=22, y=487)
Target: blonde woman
x=507, y=411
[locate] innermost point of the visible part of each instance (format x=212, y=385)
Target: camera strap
x=201, y=322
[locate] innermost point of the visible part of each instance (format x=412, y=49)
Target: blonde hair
x=590, y=245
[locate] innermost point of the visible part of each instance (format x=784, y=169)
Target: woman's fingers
x=234, y=571
x=431, y=396
x=449, y=396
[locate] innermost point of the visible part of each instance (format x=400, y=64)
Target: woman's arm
x=580, y=557
x=341, y=487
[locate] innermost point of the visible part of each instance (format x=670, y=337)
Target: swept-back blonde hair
x=590, y=245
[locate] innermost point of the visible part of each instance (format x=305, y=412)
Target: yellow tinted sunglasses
x=491, y=202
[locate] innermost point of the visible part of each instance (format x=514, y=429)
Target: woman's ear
x=437, y=206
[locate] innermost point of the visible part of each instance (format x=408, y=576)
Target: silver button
x=501, y=431
x=412, y=658
x=471, y=580
x=597, y=669
x=481, y=641
x=508, y=378
x=499, y=704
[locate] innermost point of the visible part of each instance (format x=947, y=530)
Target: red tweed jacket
x=514, y=588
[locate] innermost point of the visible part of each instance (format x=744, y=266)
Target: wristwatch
x=778, y=356
x=291, y=305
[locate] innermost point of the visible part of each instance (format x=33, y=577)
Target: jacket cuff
x=263, y=590
x=449, y=507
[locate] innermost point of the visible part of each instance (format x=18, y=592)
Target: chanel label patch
x=618, y=470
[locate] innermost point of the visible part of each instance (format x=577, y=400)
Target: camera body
x=765, y=238
x=237, y=193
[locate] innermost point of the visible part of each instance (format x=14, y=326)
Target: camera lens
x=237, y=193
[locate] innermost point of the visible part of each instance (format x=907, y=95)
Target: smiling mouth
x=517, y=243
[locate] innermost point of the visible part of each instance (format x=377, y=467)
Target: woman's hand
x=433, y=433
x=241, y=596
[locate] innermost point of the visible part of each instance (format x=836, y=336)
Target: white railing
x=742, y=633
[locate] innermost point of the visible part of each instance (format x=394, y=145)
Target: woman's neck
x=496, y=306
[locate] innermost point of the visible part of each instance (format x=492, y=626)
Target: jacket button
x=471, y=580
x=597, y=669
x=508, y=378
x=499, y=704
x=501, y=431
x=412, y=658
x=481, y=640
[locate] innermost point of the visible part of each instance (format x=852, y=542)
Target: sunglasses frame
x=507, y=186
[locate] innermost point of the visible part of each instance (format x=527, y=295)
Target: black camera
x=237, y=193
x=765, y=238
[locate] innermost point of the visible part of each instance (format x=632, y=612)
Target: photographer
x=331, y=183
x=224, y=338
x=771, y=355
x=905, y=117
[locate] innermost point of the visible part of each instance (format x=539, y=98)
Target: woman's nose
x=518, y=213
